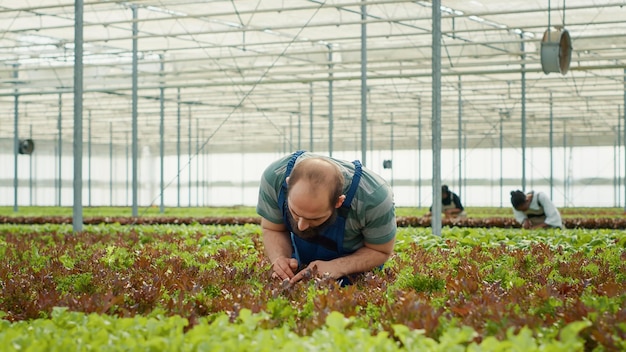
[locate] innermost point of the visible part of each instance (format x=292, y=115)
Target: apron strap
x=358, y=171
x=356, y=179
x=282, y=194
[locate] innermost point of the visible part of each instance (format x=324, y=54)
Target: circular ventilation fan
x=556, y=51
x=27, y=146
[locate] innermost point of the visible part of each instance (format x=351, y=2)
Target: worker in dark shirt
x=451, y=205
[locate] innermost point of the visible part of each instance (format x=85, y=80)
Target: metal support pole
x=464, y=182
x=391, y=145
x=551, y=153
x=618, y=167
x=371, y=126
x=89, y=142
x=189, y=136
x=178, y=147
x=135, y=150
x=460, y=136
x=501, y=159
x=330, y=100
x=111, y=163
x=128, y=166
x=299, y=126
x=310, y=116
x=290, y=144
x=564, y=164
x=77, y=218
x=419, y=153
x=162, y=140
x=198, y=162
x=436, y=118
x=16, y=140
x=616, y=202
x=60, y=148
x=523, y=102
x=364, y=83
x=30, y=170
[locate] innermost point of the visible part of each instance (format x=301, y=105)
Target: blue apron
x=329, y=245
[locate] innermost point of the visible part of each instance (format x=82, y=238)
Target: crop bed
x=403, y=221
x=195, y=286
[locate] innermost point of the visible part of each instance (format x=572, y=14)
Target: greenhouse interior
x=155, y=193
x=183, y=103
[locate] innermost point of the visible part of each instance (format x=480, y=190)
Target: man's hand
x=318, y=268
x=284, y=268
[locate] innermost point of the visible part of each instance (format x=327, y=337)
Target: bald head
x=320, y=175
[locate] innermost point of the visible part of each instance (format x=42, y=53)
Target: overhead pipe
x=303, y=8
x=403, y=75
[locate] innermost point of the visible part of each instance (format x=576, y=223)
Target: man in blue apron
x=326, y=216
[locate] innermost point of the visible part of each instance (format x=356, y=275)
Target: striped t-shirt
x=371, y=218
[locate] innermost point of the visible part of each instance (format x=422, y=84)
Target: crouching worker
x=324, y=216
x=450, y=205
x=535, y=210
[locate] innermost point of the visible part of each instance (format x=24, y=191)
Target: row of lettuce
x=207, y=287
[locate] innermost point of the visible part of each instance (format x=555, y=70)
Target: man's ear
x=287, y=179
x=340, y=200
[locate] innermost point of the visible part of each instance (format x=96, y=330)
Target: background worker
x=535, y=210
x=451, y=205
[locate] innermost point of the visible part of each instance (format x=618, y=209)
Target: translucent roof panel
x=258, y=76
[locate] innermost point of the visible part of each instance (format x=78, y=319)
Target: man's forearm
x=277, y=244
x=364, y=259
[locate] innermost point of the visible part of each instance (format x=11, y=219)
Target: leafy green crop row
x=174, y=285
x=246, y=211
x=73, y=331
